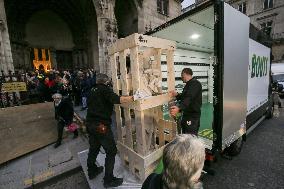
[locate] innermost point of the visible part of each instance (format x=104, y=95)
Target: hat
x=102, y=78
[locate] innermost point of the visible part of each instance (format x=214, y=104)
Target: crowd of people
x=42, y=85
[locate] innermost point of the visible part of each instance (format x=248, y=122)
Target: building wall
x=150, y=18
x=126, y=15
x=59, y=35
x=90, y=45
x=6, y=60
x=258, y=16
x=278, y=53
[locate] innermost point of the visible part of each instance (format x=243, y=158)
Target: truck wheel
x=235, y=148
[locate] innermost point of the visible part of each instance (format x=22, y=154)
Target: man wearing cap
x=100, y=107
x=190, y=103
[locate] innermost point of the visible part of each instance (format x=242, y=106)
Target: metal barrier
x=16, y=90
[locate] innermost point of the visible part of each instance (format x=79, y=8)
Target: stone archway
x=6, y=61
x=92, y=24
x=107, y=31
x=126, y=15
x=76, y=19
x=46, y=29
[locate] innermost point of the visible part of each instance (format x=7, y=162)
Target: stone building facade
x=266, y=15
x=6, y=61
x=76, y=32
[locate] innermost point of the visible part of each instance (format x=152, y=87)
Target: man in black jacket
x=100, y=107
x=64, y=113
x=190, y=103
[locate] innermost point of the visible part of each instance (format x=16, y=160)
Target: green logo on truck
x=259, y=66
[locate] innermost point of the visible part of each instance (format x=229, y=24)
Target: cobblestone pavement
x=260, y=165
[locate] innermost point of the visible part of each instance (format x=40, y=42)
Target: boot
x=58, y=143
x=75, y=134
x=113, y=182
x=95, y=172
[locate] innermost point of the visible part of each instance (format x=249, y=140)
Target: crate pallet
x=142, y=132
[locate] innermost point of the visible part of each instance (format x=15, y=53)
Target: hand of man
x=126, y=99
x=173, y=93
x=174, y=110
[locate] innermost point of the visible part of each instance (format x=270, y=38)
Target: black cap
x=102, y=79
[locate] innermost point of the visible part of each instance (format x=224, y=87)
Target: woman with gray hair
x=183, y=161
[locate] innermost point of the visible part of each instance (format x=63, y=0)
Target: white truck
x=277, y=72
x=215, y=41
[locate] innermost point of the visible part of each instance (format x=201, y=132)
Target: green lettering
x=266, y=60
x=257, y=66
x=260, y=67
x=253, y=63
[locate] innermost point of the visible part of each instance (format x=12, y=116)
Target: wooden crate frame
x=137, y=145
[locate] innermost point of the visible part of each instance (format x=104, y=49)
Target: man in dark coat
x=85, y=90
x=190, y=103
x=64, y=113
x=100, y=108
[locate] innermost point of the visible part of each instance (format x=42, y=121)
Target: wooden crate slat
x=123, y=71
x=122, y=43
x=150, y=127
x=154, y=156
x=169, y=125
x=140, y=132
x=148, y=103
x=129, y=82
x=158, y=66
x=113, y=63
x=153, y=101
x=145, y=165
x=154, y=42
x=168, y=137
x=135, y=68
x=171, y=72
x=148, y=52
x=161, y=135
x=142, y=41
x=125, y=91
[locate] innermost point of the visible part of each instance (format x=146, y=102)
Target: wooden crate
x=142, y=132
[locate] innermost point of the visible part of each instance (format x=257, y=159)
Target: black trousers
x=97, y=140
x=60, y=127
x=190, y=125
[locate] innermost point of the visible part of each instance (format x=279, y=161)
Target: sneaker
x=93, y=174
x=113, y=182
x=57, y=144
